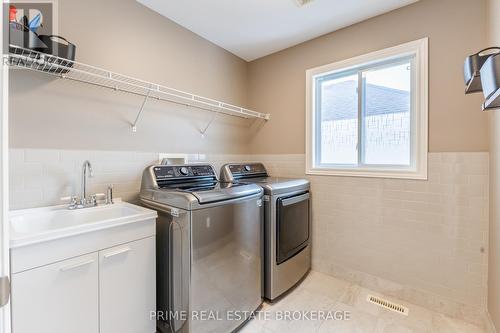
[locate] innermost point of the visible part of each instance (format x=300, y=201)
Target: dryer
x=287, y=225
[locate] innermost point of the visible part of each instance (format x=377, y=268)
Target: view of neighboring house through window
x=365, y=117
x=368, y=116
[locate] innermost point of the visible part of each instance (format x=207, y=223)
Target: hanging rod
x=72, y=70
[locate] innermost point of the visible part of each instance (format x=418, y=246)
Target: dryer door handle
x=294, y=200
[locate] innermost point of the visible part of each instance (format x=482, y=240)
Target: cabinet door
x=57, y=298
x=127, y=287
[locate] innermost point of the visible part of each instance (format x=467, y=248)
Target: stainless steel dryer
x=287, y=226
x=208, y=247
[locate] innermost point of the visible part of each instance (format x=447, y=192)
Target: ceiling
x=252, y=29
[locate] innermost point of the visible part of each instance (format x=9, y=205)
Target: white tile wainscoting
x=424, y=242
x=41, y=177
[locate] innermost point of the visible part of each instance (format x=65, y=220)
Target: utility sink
x=83, y=268
x=30, y=226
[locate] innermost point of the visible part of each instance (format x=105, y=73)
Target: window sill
x=370, y=173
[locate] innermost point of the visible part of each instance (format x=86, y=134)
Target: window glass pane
x=386, y=115
x=339, y=120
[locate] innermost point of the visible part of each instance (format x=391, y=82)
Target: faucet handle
x=94, y=197
x=71, y=199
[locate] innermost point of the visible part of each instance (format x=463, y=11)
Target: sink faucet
x=83, y=201
x=86, y=165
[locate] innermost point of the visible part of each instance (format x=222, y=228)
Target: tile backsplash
x=41, y=177
x=421, y=241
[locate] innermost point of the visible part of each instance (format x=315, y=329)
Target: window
x=367, y=116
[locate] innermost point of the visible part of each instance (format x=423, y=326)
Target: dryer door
x=292, y=226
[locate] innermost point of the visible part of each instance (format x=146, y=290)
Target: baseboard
x=488, y=323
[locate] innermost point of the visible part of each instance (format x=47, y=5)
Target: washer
x=287, y=233
x=209, y=249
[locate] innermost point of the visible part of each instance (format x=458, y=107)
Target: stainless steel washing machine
x=209, y=248
x=287, y=226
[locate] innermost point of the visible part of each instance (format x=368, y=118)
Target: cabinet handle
x=73, y=266
x=117, y=252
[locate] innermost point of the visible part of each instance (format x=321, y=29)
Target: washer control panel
x=165, y=172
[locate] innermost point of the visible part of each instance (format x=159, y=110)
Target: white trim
x=5, y=322
x=368, y=173
x=420, y=50
x=488, y=323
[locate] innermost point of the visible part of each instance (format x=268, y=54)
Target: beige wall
x=455, y=29
x=126, y=37
x=494, y=255
x=50, y=113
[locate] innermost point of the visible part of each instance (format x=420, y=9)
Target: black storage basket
x=60, y=47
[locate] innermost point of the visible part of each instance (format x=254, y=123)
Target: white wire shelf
x=72, y=70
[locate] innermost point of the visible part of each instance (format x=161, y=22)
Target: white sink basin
x=36, y=225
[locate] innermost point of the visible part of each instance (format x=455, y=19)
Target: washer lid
x=225, y=191
x=198, y=199
x=190, y=185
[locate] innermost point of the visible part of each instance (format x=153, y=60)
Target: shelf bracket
x=134, y=125
x=209, y=124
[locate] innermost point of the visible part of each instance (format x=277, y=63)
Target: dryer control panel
x=240, y=171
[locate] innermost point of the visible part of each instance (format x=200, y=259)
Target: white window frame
x=418, y=49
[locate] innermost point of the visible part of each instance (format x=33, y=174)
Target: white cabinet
x=60, y=297
x=127, y=287
x=112, y=290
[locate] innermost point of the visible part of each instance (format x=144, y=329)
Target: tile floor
x=320, y=292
